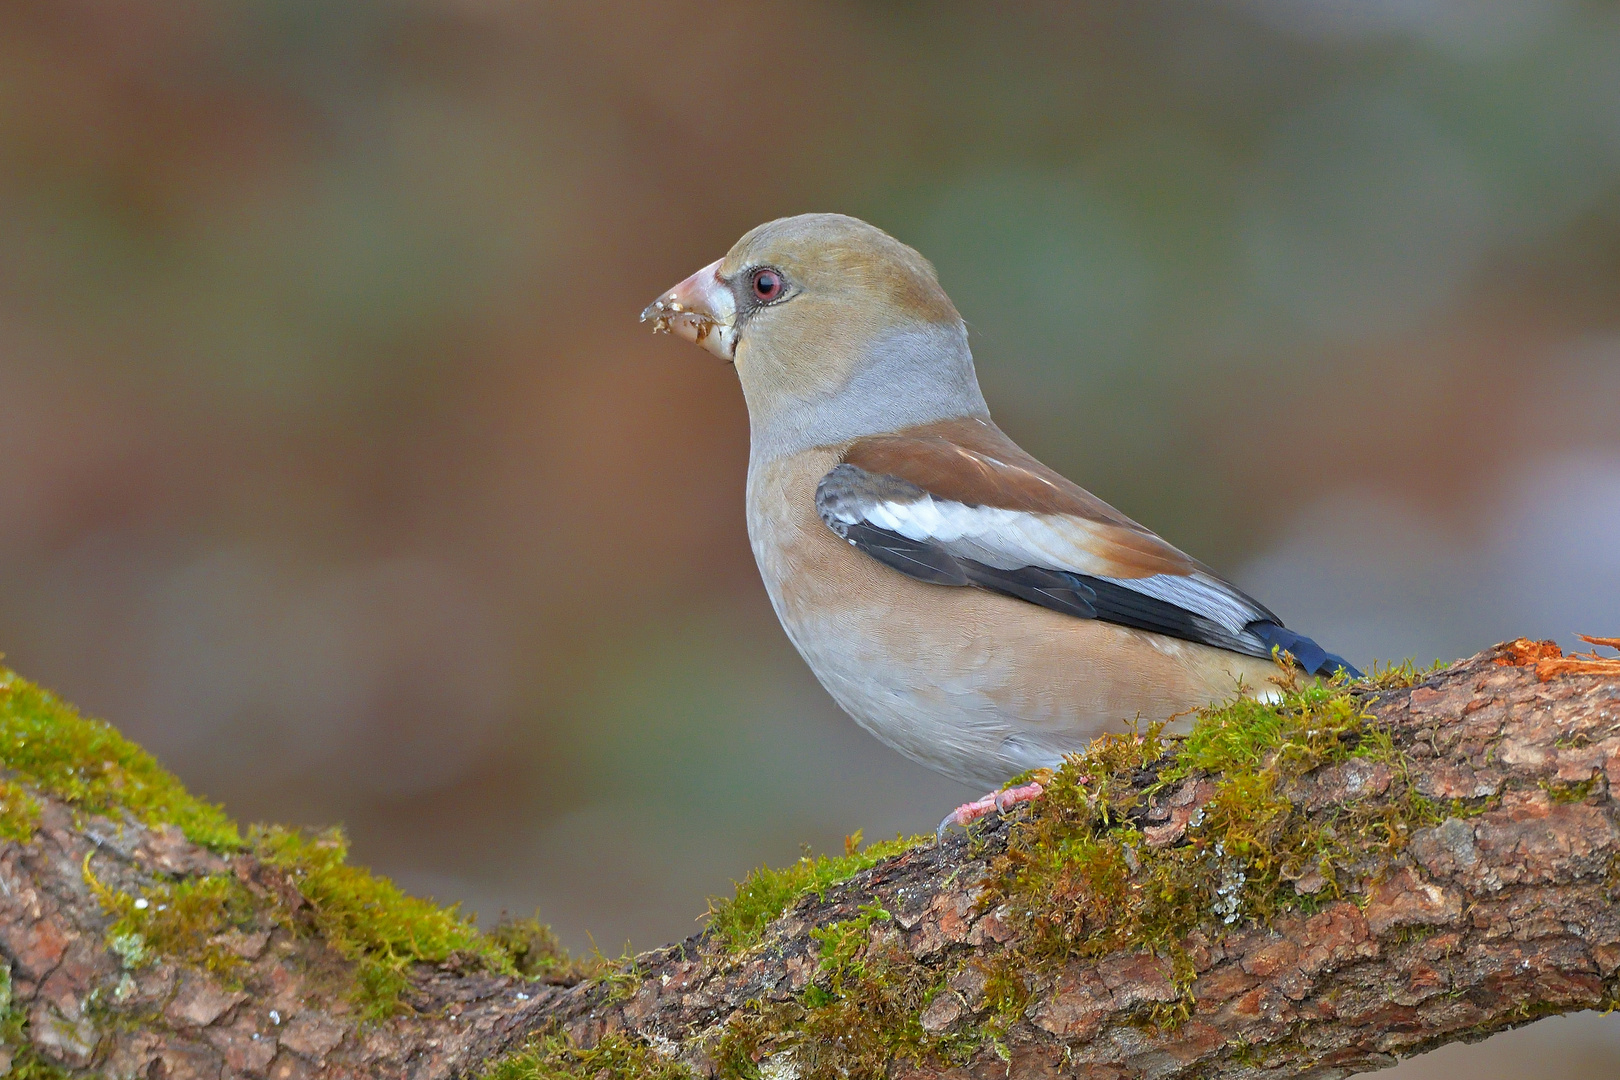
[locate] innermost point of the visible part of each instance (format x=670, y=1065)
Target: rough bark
x=1481, y=923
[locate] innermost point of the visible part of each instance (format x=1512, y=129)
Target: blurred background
x=338, y=472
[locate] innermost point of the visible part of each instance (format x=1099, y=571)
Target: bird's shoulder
x=971, y=463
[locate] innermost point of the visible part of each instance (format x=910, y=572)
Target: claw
x=999, y=801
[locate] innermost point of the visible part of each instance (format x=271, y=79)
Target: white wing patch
x=1014, y=539
x=1004, y=539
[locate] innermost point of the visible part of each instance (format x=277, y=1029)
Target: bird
x=964, y=603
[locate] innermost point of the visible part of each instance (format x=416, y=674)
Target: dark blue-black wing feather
x=1084, y=596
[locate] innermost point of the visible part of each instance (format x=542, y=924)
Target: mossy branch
x=1310, y=888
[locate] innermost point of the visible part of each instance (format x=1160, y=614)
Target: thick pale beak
x=700, y=309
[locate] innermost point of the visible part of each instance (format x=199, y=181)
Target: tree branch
x=1497, y=907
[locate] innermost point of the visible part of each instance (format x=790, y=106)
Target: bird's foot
x=998, y=801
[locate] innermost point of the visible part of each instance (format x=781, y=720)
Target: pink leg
x=999, y=801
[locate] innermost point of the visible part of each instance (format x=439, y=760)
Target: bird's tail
x=1307, y=653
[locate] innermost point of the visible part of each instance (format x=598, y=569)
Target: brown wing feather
x=970, y=461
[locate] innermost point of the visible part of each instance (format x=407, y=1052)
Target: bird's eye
x=767, y=285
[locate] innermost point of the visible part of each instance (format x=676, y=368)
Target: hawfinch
x=964, y=603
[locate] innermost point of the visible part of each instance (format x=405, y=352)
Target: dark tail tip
x=1307, y=653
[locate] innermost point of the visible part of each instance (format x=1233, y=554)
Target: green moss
x=366, y=919
x=1406, y=674
x=765, y=894
x=614, y=1057
x=26, y=1064
x=88, y=764
x=1080, y=878
x=182, y=920
x=1562, y=792
x=537, y=953
x=19, y=812
x=860, y=1014
x=369, y=920
x=1085, y=883
x=842, y=943
x=47, y=745
x=1314, y=724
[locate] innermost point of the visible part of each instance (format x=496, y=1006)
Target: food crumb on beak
x=660, y=312
x=700, y=310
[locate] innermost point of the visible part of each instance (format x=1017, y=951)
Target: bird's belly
x=947, y=705
x=974, y=684
x=981, y=687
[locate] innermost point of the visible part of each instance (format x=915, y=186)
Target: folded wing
x=960, y=504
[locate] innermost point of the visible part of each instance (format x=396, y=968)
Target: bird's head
x=833, y=324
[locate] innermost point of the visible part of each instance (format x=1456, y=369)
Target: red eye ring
x=767, y=284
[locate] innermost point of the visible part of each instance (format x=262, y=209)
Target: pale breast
x=972, y=683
